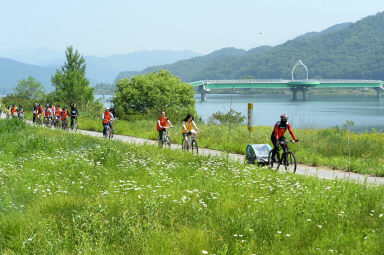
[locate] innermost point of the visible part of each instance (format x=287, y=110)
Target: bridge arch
x=299, y=63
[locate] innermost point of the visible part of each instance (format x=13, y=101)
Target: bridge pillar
x=294, y=91
x=203, y=91
x=305, y=94
x=203, y=96
x=378, y=91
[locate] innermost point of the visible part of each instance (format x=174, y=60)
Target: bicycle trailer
x=257, y=153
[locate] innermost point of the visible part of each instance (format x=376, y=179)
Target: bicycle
x=286, y=158
x=64, y=123
x=166, y=140
x=48, y=122
x=74, y=125
x=57, y=122
x=192, y=143
x=108, y=132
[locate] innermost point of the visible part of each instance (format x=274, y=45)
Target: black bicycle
x=284, y=157
x=166, y=140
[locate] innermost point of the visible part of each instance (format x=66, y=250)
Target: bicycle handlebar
x=291, y=141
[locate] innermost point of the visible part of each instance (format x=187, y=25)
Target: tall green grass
x=318, y=147
x=62, y=193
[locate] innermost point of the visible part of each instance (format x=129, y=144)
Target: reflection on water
x=319, y=111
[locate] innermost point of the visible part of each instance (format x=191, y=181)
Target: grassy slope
x=62, y=194
x=319, y=147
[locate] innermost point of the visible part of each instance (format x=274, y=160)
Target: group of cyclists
x=189, y=129
x=55, y=116
x=12, y=112
x=58, y=117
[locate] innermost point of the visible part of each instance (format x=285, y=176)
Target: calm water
x=366, y=112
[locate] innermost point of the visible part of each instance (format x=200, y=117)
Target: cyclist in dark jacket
x=74, y=114
x=278, y=133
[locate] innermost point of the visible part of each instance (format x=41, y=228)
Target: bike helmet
x=284, y=117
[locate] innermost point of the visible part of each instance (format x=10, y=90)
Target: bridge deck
x=284, y=84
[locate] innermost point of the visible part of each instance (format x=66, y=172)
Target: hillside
x=343, y=51
x=11, y=71
x=188, y=68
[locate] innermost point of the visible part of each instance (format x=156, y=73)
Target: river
x=320, y=111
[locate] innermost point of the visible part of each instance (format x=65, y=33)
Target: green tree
x=29, y=89
x=231, y=116
x=70, y=83
x=148, y=95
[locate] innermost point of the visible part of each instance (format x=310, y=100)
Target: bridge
x=294, y=85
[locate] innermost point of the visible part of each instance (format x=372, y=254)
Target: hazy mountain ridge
x=99, y=69
x=343, y=51
x=195, y=64
x=11, y=71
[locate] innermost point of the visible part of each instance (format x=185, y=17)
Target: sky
x=107, y=27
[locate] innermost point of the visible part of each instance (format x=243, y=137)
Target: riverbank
x=334, y=148
x=90, y=195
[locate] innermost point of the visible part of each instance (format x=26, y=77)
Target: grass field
x=318, y=147
x=64, y=193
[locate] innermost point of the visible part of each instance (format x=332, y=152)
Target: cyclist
x=7, y=111
x=74, y=115
x=14, y=111
x=40, y=114
x=58, y=116
x=162, y=123
x=34, y=112
x=189, y=128
x=21, y=112
x=64, y=118
x=107, y=119
x=278, y=132
x=47, y=114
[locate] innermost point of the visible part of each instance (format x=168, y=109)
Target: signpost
x=250, y=118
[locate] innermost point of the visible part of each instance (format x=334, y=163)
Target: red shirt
x=280, y=129
x=58, y=111
x=163, y=123
x=64, y=114
x=107, y=116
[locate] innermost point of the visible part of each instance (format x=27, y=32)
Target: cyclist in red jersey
x=278, y=133
x=162, y=123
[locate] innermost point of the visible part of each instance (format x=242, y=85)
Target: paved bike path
x=321, y=172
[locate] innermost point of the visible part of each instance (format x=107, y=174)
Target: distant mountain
x=343, y=51
x=105, y=69
x=187, y=68
x=11, y=71
x=37, y=57
x=99, y=69
x=331, y=29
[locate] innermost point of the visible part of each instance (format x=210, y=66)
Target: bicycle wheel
x=290, y=162
x=75, y=125
x=195, y=147
x=168, y=142
x=270, y=161
x=183, y=147
x=160, y=142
